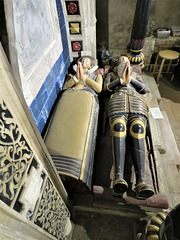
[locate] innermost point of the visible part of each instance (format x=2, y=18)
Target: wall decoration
x=72, y=7
x=28, y=25
x=15, y=156
x=30, y=201
x=35, y=42
x=76, y=46
x=52, y=213
x=74, y=28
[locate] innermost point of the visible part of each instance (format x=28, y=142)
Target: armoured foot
x=144, y=191
x=120, y=186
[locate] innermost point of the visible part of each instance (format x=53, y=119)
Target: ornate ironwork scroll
x=52, y=213
x=15, y=156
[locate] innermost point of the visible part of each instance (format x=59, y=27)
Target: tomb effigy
x=71, y=135
x=128, y=115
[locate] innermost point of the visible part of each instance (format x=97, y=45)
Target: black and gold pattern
x=138, y=129
x=144, y=190
x=15, y=156
x=118, y=127
x=67, y=165
x=16, y=159
x=134, y=58
x=52, y=213
x=128, y=114
x=160, y=227
x=127, y=100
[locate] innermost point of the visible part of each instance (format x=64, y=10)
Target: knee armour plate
x=138, y=129
x=119, y=128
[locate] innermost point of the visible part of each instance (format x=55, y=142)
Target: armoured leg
x=118, y=129
x=137, y=132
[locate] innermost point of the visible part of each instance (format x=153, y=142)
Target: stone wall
x=164, y=14
x=121, y=15
x=115, y=20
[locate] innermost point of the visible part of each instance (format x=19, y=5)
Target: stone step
x=153, y=96
x=172, y=155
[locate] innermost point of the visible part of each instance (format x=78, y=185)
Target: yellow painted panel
x=74, y=27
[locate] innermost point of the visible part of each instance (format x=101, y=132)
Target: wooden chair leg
x=169, y=65
x=155, y=63
x=160, y=70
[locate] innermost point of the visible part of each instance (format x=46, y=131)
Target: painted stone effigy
x=71, y=136
x=128, y=116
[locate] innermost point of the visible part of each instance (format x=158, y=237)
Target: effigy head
x=86, y=62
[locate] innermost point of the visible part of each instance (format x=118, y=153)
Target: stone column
x=139, y=31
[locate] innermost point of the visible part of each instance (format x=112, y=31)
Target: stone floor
x=101, y=216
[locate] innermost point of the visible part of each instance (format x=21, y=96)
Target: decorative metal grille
x=52, y=213
x=15, y=156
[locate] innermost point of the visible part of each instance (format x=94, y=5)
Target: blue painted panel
x=52, y=98
x=65, y=43
x=35, y=110
x=60, y=13
x=41, y=123
x=44, y=101
x=42, y=96
x=49, y=82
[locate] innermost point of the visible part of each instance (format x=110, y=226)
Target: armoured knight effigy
x=71, y=136
x=128, y=116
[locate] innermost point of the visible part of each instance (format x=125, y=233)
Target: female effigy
x=71, y=136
